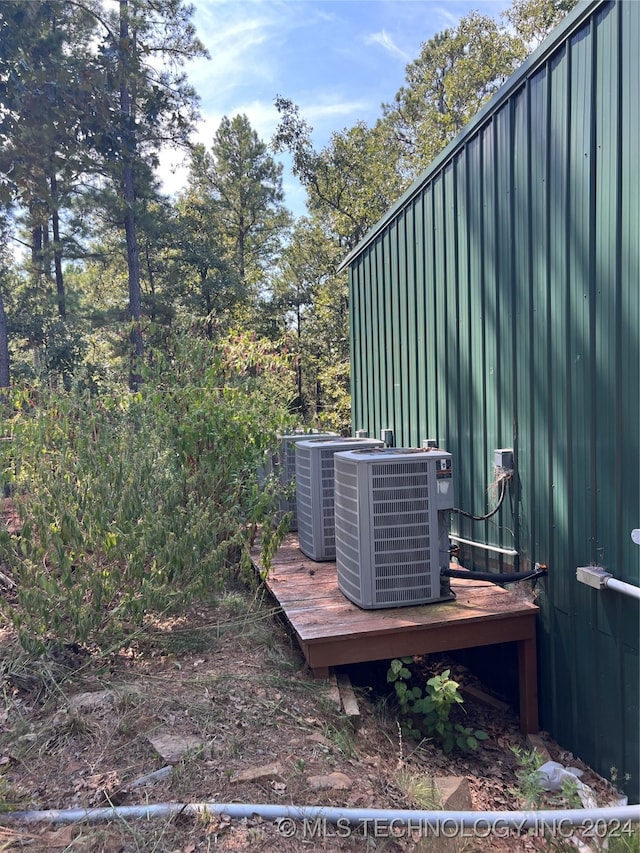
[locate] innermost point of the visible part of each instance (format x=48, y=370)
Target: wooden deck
x=332, y=631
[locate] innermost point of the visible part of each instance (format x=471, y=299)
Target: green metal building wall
x=497, y=305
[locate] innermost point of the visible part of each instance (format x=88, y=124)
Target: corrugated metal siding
x=498, y=307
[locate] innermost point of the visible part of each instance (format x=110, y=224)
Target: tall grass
x=131, y=503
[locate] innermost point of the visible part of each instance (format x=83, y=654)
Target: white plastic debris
x=553, y=776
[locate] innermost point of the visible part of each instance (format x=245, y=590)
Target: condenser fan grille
x=315, y=493
x=303, y=496
x=387, y=530
x=328, y=524
x=287, y=469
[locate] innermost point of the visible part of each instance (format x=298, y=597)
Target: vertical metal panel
x=357, y=319
x=508, y=313
x=439, y=364
x=422, y=376
x=411, y=432
x=471, y=218
x=432, y=376
x=629, y=272
x=403, y=407
x=464, y=353
x=627, y=329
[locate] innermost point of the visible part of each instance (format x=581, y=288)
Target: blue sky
x=339, y=60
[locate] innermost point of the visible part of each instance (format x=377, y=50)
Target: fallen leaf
x=60, y=839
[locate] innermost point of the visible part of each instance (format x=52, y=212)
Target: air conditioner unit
x=284, y=464
x=314, y=492
x=392, y=518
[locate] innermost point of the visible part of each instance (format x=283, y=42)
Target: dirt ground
x=222, y=696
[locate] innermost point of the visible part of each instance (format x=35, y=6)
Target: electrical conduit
x=620, y=816
x=622, y=586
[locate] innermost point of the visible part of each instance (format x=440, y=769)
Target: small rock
x=454, y=793
x=265, y=773
x=454, y=796
x=98, y=700
x=336, y=780
x=316, y=737
x=172, y=748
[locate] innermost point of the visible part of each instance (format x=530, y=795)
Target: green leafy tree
x=155, y=106
x=109, y=85
x=310, y=304
x=458, y=70
x=533, y=20
x=203, y=276
x=351, y=182
x=7, y=282
x=46, y=81
x=244, y=184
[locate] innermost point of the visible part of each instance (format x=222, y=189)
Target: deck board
x=333, y=631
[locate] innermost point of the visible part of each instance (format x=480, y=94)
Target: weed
x=428, y=712
x=626, y=840
x=529, y=789
x=70, y=729
x=233, y=602
x=418, y=790
x=384, y=709
x=569, y=797
x=10, y=797
x=343, y=738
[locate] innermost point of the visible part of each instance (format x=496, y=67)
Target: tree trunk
x=128, y=188
x=4, y=350
x=241, y=246
x=207, y=302
x=299, y=359
x=57, y=251
x=153, y=308
x=37, y=259
x=133, y=264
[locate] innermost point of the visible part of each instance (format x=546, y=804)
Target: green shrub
x=130, y=503
x=428, y=712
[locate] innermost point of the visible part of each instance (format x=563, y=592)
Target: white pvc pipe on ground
x=619, y=816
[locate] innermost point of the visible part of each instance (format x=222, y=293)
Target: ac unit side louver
x=314, y=493
x=284, y=465
x=392, y=519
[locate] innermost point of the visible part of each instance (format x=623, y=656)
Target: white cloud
x=384, y=40
x=336, y=61
x=245, y=40
x=329, y=107
x=236, y=58
x=449, y=19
